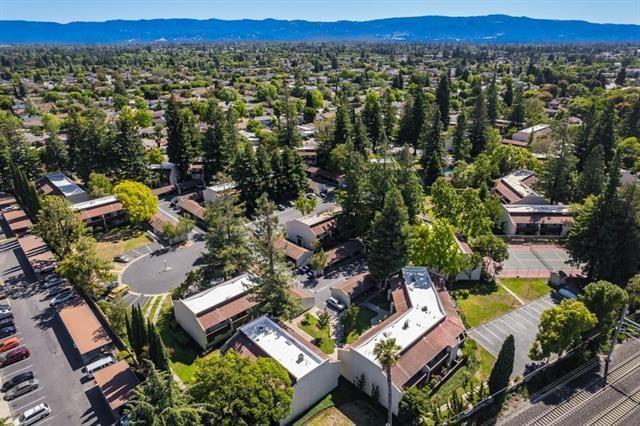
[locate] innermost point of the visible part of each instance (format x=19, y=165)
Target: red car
x=14, y=355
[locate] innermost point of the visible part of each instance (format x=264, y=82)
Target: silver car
x=21, y=389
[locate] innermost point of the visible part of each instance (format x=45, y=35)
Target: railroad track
x=616, y=413
x=567, y=408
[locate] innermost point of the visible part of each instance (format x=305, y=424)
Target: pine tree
x=558, y=175
x=508, y=94
x=55, y=156
x=356, y=216
x=246, y=176
x=517, y=116
x=604, y=132
x=593, y=178
x=478, y=127
x=287, y=134
x=418, y=115
x=389, y=114
x=217, y=152
x=361, y=142
x=263, y=169
x=409, y=185
x=585, y=141
x=342, y=131
x=157, y=351
x=433, y=150
x=272, y=291
x=372, y=119
x=294, y=175
x=631, y=123
x=461, y=143
x=127, y=151
x=388, y=241
x=442, y=99
x=492, y=101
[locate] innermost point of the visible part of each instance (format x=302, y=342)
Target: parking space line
x=521, y=315
x=39, y=388
x=494, y=334
x=535, y=318
x=16, y=371
x=512, y=328
x=46, y=419
x=17, y=363
x=481, y=336
x=22, y=408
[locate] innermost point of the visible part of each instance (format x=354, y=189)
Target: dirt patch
x=351, y=413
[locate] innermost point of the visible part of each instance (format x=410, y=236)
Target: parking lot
x=522, y=323
x=536, y=261
x=54, y=360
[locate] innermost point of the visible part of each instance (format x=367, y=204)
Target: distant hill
x=480, y=29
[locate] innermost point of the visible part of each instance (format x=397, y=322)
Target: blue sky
x=616, y=11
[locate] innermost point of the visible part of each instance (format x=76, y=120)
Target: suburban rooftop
x=64, y=184
x=424, y=313
x=535, y=208
x=314, y=219
x=96, y=202
x=281, y=346
x=221, y=187
x=516, y=179
x=219, y=294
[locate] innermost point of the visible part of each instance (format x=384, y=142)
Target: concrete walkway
x=508, y=290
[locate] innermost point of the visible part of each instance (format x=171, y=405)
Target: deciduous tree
x=137, y=199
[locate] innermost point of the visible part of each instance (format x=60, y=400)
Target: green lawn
x=481, y=301
x=152, y=305
x=363, y=323
x=322, y=336
x=343, y=394
x=183, y=351
x=527, y=288
x=478, y=370
x=117, y=241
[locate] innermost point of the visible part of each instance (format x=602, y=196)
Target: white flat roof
x=219, y=294
x=534, y=208
x=64, y=184
x=424, y=313
x=84, y=205
x=282, y=346
x=514, y=180
x=314, y=219
x=221, y=187
x=535, y=128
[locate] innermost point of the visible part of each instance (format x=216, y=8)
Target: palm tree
x=158, y=402
x=387, y=353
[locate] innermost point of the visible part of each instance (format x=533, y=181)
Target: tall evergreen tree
x=461, y=142
x=361, y=142
x=157, y=351
x=558, y=174
x=593, y=177
x=356, y=216
x=584, y=144
x=507, y=97
x=433, y=150
x=127, y=151
x=246, y=176
x=492, y=101
x=372, y=119
x=287, y=134
x=631, y=122
x=342, y=131
x=517, y=116
x=55, y=156
x=217, y=148
x=388, y=241
x=294, y=178
x=478, y=127
x=389, y=114
x=604, y=132
x=442, y=99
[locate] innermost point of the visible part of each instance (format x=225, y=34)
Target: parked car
x=33, y=414
x=21, y=389
x=10, y=209
x=4, y=308
x=6, y=322
x=14, y=355
x=174, y=202
x=123, y=258
x=5, y=315
x=8, y=344
x=7, y=331
x=61, y=299
x=59, y=290
x=565, y=293
x=334, y=303
x=50, y=277
x=112, y=285
x=281, y=207
x=19, y=378
x=52, y=283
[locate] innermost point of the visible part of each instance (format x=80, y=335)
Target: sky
x=609, y=11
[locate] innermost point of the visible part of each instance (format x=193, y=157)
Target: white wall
x=295, y=228
x=312, y=387
x=189, y=323
x=354, y=365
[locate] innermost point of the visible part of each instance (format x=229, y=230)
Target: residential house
x=537, y=219
x=212, y=192
x=57, y=183
x=348, y=290
x=313, y=374
x=305, y=231
x=101, y=213
x=212, y=316
x=424, y=323
x=533, y=133
x=515, y=188
x=296, y=254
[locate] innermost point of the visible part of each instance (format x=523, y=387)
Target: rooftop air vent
x=300, y=358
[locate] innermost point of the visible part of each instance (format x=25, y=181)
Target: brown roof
x=542, y=219
x=504, y=191
x=37, y=252
x=514, y=142
x=192, y=207
x=47, y=188
x=323, y=227
x=159, y=220
x=116, y=382
x=291, y=250
x=18, y=220
x=344, y=250
x=84, y=328
x=356, y=285
x=416, y=356
x=163, y=190
x=226, y=311
x=6, y=201
x=245, y=347
x=99, y=211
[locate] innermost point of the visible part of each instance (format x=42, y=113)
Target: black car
x=5, y=315
x=22, y=377
x=6, y=322
x=7, y=331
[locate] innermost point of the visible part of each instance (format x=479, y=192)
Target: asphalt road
x=523, y=324
x=53, y=359
x=151, y=274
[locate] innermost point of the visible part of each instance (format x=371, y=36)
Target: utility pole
x=614, y=339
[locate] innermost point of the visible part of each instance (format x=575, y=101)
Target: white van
x=99, y=365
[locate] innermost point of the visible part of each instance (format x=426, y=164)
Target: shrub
x=375, y=392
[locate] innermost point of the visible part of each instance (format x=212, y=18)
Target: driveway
x=54, y=360
x=522, y=323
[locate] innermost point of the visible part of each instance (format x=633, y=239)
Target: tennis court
x=536, y=261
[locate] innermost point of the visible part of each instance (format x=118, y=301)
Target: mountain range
x=476, y=29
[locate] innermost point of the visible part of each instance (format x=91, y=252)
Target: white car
x=32, y=415
x=61, y=298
